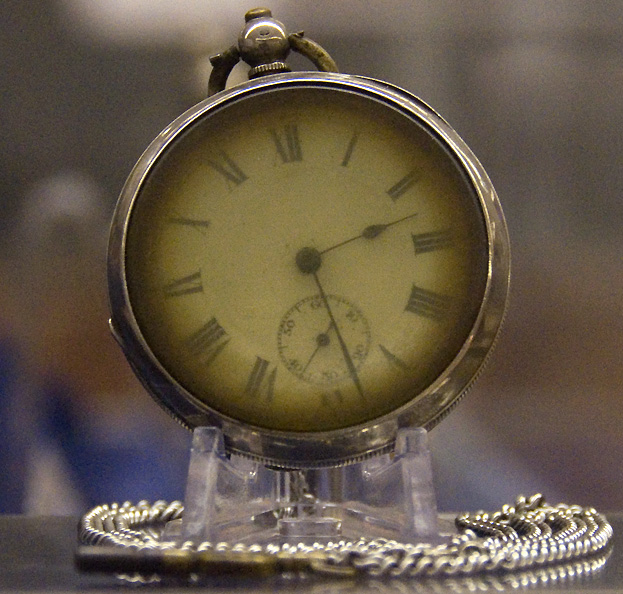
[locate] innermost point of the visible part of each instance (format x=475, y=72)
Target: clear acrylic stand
x=234, y=499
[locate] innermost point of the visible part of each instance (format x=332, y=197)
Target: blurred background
x=536, y=90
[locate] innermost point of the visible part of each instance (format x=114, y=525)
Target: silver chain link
x=526, y=535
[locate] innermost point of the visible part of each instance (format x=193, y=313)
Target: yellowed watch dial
x=306, y=259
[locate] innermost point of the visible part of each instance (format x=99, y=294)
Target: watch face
x=302, y=257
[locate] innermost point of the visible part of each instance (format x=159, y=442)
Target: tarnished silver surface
x=527, y=535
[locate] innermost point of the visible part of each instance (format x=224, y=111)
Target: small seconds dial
x=317, y=337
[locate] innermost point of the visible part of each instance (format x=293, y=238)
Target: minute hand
x=370, y=232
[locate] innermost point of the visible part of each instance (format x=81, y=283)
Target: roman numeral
x=393, y=359
x=333, y=399
x=261, y=381
x=199, y=224
x=428, y=304
x=288, y=143
x=435, y=240
x=184, y=286
x=208, y=341
x=349, y=149
x=229, y=169
x=404, y=184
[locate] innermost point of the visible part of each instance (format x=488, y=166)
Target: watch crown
x=264, y=44
x=263, y=41
x=257, y=13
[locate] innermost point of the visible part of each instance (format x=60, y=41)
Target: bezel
x=335, y=447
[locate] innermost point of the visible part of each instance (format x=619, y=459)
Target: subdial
x=308, y=340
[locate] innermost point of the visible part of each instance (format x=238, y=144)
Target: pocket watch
x=308, y=261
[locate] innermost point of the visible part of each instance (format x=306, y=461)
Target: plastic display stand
x=234, y=499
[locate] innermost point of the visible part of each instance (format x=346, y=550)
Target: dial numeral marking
x=430, y=242
x=332, y=399
x=349, y=149
x=428, y=304
x=184, y=286
x=404, y=184
x=261, y=381
x=288, y=143
x=200, y=224
x=229, y=169
x=393, y=359
x=208, y=341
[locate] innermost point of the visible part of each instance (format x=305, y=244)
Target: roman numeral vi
x=261, y=381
